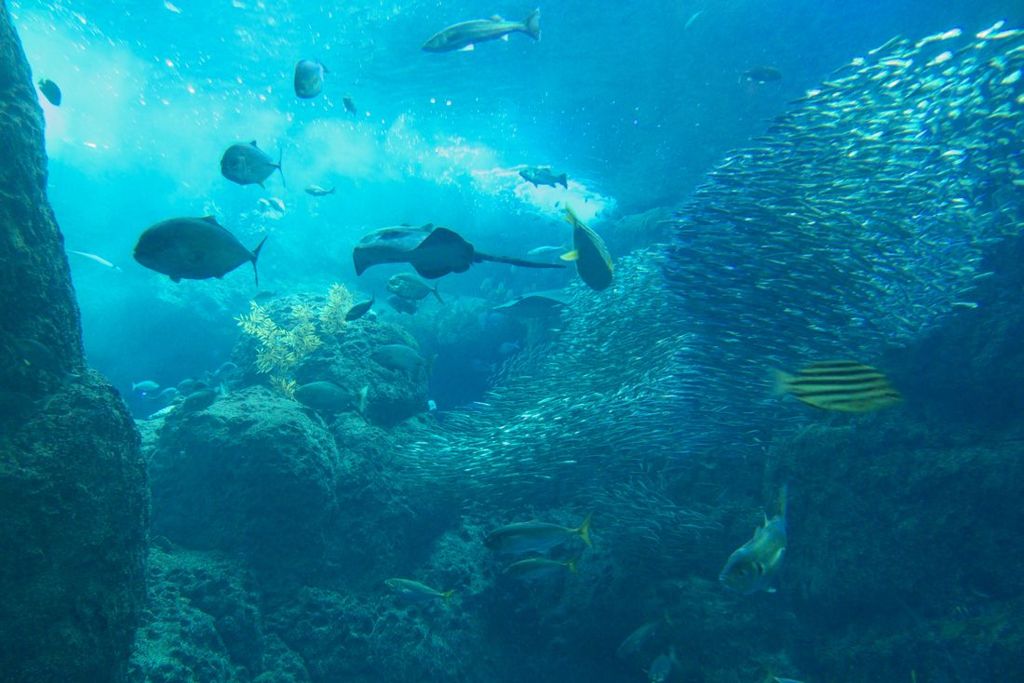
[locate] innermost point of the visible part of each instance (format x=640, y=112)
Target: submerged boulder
x=253, y=474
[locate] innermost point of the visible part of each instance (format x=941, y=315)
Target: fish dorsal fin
x=211, y=220
x=427, y=227
x=253, y=143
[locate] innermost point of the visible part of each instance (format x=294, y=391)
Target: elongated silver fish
x=468, y=33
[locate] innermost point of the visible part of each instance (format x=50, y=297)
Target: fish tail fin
x=584, y=530
x=563, y=180
x=437, y=293
x=280, y=156
x=570, y=255
x=447, y=595
x=255, y=256
x=531, y=26
x=782, y=380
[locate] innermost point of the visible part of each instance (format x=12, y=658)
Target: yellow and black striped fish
x=842, y=385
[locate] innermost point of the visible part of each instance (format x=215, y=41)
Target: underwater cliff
x=73, y=493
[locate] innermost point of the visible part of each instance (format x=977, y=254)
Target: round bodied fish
x=51, y=91
x=247, y=164
x=193, y=249
x=360, y=309
x=309, y=78
x=408, y=286
x=398, y=357
x=324, y=396
x=593, y=262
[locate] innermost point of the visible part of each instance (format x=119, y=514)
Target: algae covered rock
x=252, y=474
x=73, y=496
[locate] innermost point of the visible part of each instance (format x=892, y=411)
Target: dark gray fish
x=318, y=191
x=535, y=305
x=593, y=262
x=199, y=400
x=360, y=309
x=402, y=305
x=193, y=249
x=467, y=33
x=398, y=357
x=350, y=106
x=539, y=569
x=408, y=286
x=433, y=252
x=543, y=175
x=50, y=91
x=309, y=78
x=247, y=164
x=324, y=396
x=761, y=75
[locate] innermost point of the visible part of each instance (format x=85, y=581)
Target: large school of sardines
x=852, y=225
x=855, y=223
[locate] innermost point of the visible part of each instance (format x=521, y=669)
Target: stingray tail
x=478, y=257
x=255, y=256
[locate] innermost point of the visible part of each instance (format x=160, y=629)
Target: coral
x=282, y=348
x=332, y=315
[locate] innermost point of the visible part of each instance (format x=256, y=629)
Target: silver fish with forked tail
x=464, y=35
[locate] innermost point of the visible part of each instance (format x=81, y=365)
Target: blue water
x=626, y=100
x=636, y=103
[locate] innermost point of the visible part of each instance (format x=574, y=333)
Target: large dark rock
x=252, y=474
x=72, y=486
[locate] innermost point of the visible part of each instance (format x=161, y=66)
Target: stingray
x=433, y=252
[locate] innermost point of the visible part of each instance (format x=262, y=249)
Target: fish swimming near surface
x=840, y=385
x=403, y=305
x=534, y=537
x=761, y=75
x=323, y=396
x=543, y=175
x=349, y=105
x=309, y=78
x=415, y=592
x=360, y=309
x=593, y=262
x=318, y=191
x=408, y=286
x=753, y=566
x=51, y=91
x=432, y=252
x=193, y=249
x=539, y=569
x=398, y=357
x=247, y=164
x=464, y=35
